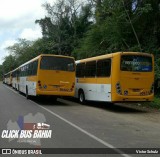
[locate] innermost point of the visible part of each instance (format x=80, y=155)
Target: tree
x=122, y=25
x=9, y=64
x=21, y=51
x=93, y=28
x=1, y=72
x=67, y=21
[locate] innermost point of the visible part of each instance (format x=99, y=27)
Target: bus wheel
x=81, y=97
x=27, y=96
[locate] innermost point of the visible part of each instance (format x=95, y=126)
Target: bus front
x=56, y=76
x=133, y=77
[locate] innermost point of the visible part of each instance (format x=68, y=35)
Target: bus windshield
x=136, y=63
x=57, y=63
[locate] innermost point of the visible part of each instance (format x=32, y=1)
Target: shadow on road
x=48, y=101
x=113, y=107
x=119, y=108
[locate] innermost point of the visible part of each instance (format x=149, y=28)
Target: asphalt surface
x=93, y=125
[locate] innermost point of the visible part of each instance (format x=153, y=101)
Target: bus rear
x=56, y=76
x=133, y=77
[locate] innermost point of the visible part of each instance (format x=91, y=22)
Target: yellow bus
x=116, y=77
x=15, y=78
x=46, y=75
x=8, y=78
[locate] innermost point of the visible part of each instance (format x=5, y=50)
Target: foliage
x=155, y=104
x=84, y=29
x=22, y=51
x=1, y=72
x=65, y=24
x=122, y=26
x=9, y=64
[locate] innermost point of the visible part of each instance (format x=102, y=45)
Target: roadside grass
x=154, y=104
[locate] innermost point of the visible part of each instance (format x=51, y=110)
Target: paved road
x=94, y=125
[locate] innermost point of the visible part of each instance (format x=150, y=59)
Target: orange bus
x=116, y=77
x=46, y=75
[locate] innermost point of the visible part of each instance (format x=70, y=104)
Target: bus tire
x=27, y=96
x=81, y=97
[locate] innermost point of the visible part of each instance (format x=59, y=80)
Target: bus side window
x=90, y=69
x=34, y=67
x=29, y=69
x=80, y=70
x=31, y=64
x=104, y=68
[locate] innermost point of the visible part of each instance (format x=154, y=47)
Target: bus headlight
x=118, y=88
x=152, y=88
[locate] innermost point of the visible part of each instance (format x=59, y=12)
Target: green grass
x=154, y=104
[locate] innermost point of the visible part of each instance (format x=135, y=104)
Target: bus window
x=90, y=70
x=57, y=63
x=35, y=67
x=136, y=63
x=80, y=70
x=104, y=68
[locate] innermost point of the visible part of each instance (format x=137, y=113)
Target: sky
x=17, y=20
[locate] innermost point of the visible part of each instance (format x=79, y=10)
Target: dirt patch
x=148, y=113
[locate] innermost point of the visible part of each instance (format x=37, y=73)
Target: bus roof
x=41, y=55
x=112, y=55
x=36, y=58
x=7, y=73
